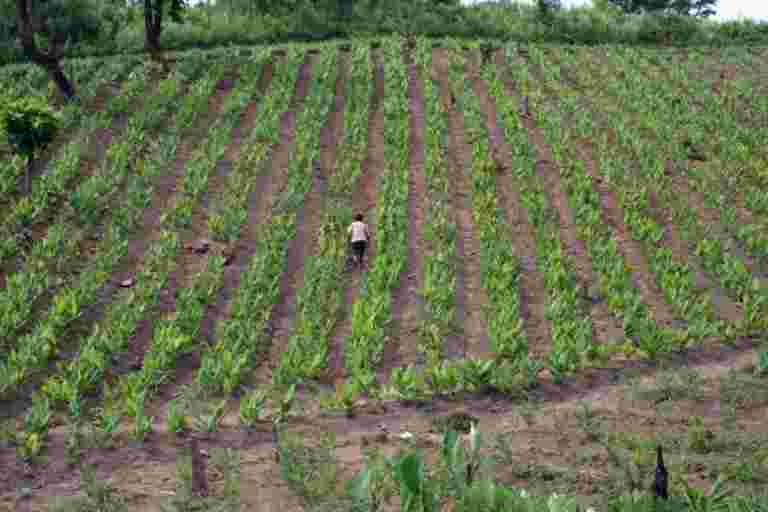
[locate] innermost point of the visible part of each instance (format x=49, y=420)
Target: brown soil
x=642, y=276
x=245, y=247
x=407, y=302
x=533, y=292
x=363, y=200
x=551, y=435
x=260, y=203
x=104, y=92
x=188, y=263
x=471, y=298
x=725, y=307
x=711, y=217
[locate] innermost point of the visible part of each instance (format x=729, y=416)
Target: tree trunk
x=153, y=26
x=28, y=25
x=30, y=162
x=60, y=79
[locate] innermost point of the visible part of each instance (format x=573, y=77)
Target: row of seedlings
x=675, y=279
x=82, y=375
x=176, y=334
x=51, y=260
x=243, y=334
x=733, y=163
x=71, y=115
x=51, y=186
x=614, y=274
x=440, y=262
x=36, y=348
x=373, y=311
x=573, y=345
x=240, y=336
x=320, y=298
x=717, y=257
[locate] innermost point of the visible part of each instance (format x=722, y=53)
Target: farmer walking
x=360, y=237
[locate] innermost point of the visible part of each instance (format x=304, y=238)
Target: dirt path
x=471, y=299
x=308, y=219
x=407, y=302
x=605, y=327
x=364, y=201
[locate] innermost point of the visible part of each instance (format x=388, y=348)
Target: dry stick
x=407, y=305
x=199, y=478
x=471, y=298
x=363, y=200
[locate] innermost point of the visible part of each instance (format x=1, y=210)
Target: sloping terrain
x=552, y=227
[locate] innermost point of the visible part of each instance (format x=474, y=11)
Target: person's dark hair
x=359, y=217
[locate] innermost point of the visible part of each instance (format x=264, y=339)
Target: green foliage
x=311, y=472
x=29, y=124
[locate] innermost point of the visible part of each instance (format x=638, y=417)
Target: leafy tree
x=44, y=28
x=699, y=8
x=30, y=125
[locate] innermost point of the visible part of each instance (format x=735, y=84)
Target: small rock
x=127, y=283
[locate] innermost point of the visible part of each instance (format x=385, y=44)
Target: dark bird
x=660, y=483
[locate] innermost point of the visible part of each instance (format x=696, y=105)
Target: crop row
x=50, y=258
x=674, y=278
x=240, y=336
x=717, y=255
x=37, y=347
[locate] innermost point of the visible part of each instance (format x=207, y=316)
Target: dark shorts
x=359, y=248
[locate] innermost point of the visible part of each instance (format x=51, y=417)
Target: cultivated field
x=552, y=227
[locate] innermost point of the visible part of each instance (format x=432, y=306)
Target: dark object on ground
x=199, y=480
x=661, y=482
x=524, y=108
